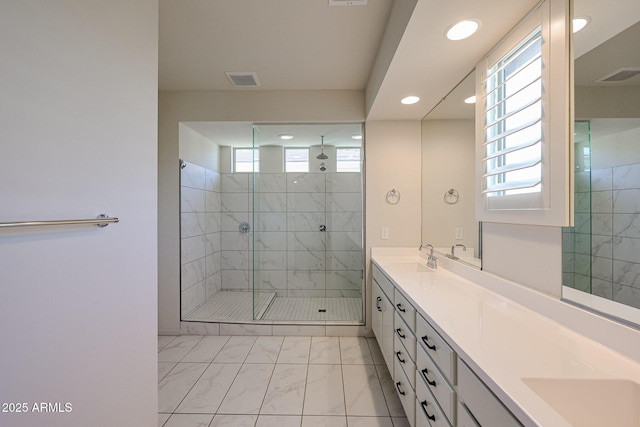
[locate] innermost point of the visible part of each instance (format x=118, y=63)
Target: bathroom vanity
x=461, y=354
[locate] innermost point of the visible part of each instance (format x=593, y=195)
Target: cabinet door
x=387, y=331
x=382, y=323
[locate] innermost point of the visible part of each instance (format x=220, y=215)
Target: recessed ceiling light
x=470, y=100
x=356, y=136
x=285, y=136
x=463, y=29
x=580, y=22
x=410, y=100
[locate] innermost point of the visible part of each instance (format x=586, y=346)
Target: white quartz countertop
x=501, y=340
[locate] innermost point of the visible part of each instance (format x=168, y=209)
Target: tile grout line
x=306, y=381
x=344, y=392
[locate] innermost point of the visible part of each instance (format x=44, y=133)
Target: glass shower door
x=344, y=240
x=307, y=252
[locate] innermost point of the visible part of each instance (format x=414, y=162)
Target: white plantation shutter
x=512, y=117
x=524, y=122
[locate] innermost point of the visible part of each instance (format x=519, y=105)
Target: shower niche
x=272, y=223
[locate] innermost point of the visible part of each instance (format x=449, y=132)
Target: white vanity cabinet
x=457, y=356
x=421, y=363
x=436, y=389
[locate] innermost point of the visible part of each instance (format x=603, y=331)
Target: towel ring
x=393, y=196
x=451, y=196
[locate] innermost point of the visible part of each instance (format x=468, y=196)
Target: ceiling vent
x=620, y=75
x=348, y=2
x=243, y=78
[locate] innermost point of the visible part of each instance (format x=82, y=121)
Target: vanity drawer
x=482, y=404
x=403, y=360
x=383, y=282
x=428, y=413
x=405, y=309
x=406, y=394
x=442, y=355
x=405, y=335
x=429, y=375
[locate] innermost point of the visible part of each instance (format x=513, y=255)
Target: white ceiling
x=307, y=44
x=429, y=65
x=290, y=44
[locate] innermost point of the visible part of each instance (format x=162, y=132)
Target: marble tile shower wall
x=200, y=235
x=293, y=257
x=613, y=251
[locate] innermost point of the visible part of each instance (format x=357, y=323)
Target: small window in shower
x=246, y=160
x=348, y=159
x=296, y=159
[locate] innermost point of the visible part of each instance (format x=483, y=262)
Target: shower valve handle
x=323, y=227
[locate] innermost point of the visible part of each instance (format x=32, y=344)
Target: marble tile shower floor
x=237, y=381
x=314, y=309
x=238, y=306
x=230, y=306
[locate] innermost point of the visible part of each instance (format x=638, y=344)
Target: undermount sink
x=410, y=267
x=591, y=402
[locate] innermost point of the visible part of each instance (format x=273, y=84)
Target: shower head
x=323, y=167
x=322, y=156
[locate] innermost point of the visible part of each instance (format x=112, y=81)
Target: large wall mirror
x=601, y=254
x=448, y=176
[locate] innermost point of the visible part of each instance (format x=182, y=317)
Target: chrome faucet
x=453, y=250
x=431, y=260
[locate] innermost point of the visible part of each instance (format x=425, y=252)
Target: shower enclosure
x=282, y=228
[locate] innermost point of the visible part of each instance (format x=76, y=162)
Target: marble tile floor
x=262, y=381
